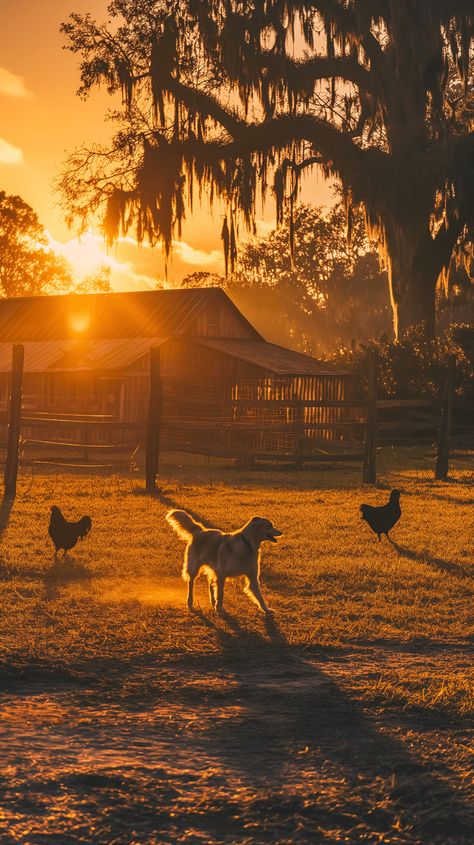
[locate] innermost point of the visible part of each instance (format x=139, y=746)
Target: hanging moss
x=224, y=94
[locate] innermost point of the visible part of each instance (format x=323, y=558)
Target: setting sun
x=79, y=322
x=86, y=254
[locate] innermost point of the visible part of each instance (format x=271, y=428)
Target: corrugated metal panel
x=79, y=356
x=275, y=359
x=162, y=313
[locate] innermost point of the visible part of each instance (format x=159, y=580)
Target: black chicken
x=382, y=520
x=65, y=534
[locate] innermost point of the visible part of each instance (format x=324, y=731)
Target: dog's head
x=263, y=530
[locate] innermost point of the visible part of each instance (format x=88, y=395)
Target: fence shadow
x=6, y=508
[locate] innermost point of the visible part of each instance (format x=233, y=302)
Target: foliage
x=331, y=290
x=28, y=266
x=238, y=97
x=415, y=366
x=98, y=282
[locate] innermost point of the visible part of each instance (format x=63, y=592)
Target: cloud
x=196, y=257
x=12, y=85
x=10, y=154
x=184, y=251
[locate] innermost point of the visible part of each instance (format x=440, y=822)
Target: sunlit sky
x=42, y=119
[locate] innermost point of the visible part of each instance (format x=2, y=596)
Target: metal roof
x=44, y=356
x=160, y=313
x=269, y=356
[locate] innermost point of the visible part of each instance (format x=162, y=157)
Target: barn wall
x=212, y=403
x=182, y=358
x=219, y=320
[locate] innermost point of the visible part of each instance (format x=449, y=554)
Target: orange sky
x=41, y=119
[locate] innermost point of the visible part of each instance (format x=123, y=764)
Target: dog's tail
x=184, y=525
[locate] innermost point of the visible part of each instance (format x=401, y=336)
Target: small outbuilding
x=225, y=390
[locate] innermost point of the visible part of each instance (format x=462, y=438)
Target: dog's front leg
x=190, y=593
x=254, y=592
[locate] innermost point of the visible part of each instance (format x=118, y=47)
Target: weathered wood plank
x=154, y=421
x=14, y=421
x=370, y=454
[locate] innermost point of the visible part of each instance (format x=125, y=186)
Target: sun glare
x=86, y=254
x=79, y=322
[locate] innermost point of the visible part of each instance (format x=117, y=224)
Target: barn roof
x=162, y=313
x=42, y=356
x=269, y=356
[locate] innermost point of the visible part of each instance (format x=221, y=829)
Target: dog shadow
x=286, y=706
x=238, y=636
x=438, y=563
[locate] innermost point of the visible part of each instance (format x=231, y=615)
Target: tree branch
x=336, y=148
x=301, y=73
x=205, y=104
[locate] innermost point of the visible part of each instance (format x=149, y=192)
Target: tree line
x=29, y=266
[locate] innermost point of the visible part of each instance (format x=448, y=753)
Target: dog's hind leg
x=190, y=592
x=252, y=588
x=212, y=592
x=220, y=594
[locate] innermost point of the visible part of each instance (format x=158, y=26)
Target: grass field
x=347, y=719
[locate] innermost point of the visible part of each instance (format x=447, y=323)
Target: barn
x=225, y=390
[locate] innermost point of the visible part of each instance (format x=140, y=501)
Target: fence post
x=370, y=446
x=154, y=421
x=14, y=422
x=442, y=458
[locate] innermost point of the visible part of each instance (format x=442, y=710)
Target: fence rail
x=256, y=419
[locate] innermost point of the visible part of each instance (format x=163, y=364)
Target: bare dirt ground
x=346, y=719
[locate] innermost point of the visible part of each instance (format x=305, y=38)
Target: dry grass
x=348, y=719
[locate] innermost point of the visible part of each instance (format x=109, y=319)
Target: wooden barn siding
x=202, y=379
x=198, y=412
x=217, y=320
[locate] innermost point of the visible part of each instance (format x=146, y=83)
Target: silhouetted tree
x=97, y=282
x=28, y=266
x=329, y=292
x=237, y=96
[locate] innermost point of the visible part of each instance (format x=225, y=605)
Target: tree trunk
x=414, y=303
x=413, y=275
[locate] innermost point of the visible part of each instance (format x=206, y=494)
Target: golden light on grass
x=128, y=707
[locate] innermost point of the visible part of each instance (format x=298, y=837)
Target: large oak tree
x=240, y=95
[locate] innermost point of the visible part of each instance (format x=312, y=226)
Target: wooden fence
x=246, y=422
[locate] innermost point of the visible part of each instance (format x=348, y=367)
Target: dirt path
x=261, y=743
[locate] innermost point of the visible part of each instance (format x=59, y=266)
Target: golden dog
x=223, y=555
